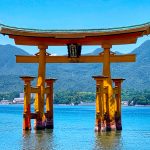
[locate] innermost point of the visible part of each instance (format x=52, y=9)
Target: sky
x=74, y=14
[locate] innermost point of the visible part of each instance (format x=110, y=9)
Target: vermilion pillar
x=118, y=102
x=39, y=99
x=49, y=104
x=101, y=103
x=110, y=101
x=27, y=95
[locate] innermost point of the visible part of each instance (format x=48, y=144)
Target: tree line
x=133, y=97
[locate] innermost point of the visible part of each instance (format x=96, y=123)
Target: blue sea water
x=74, y=130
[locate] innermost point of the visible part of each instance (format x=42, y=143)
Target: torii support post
x=101, y=104
x=49, y=103
x=27, y=95
x=118, y=102
x=39, y=98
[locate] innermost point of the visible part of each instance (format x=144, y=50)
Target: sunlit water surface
x=74, y=130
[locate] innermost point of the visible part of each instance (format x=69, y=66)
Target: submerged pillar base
x=112, y=125
x=26, y=121
x=100, y=127
x=118, y=124
x=119, y=127
x=26, y=125
x=106, y=126
x=118, y=121
x=49, y=124
x=38, y=125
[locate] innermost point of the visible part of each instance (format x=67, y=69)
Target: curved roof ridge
x=76, y=30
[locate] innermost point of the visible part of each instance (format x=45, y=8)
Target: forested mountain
x=74, y=77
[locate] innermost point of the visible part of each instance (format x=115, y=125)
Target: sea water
x=74, y=130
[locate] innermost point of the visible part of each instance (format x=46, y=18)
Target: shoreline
x=83, y=104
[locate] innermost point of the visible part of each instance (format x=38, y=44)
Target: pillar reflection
x=39, y=139
x=108, y=140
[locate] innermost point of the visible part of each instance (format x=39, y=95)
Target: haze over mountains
x=76, y=77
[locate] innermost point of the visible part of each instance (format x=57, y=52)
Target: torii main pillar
x=39, y=98
x=107, y=72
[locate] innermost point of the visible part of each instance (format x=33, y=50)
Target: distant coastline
x=82, y=104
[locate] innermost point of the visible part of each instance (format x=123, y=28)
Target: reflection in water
x=108, y=140
x=39, y=140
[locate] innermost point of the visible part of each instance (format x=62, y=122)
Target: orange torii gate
x=108, y=98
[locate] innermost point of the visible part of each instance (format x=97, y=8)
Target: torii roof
x=113, y=36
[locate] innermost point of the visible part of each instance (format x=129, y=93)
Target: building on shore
x=5, y=102
x=124, y=103
x=19, y=100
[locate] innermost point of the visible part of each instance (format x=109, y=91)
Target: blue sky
x=74, y=14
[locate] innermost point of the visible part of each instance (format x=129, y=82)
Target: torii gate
x=108, y=98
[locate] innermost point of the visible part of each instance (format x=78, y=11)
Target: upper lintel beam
x=117, y=39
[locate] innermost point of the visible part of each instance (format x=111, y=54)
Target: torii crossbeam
x=83, y=59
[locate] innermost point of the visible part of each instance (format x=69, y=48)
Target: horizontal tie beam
x=27, y=59
x=35, y=90
x=81, y=59
x=123, y=58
